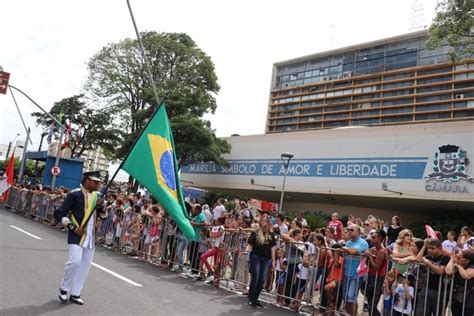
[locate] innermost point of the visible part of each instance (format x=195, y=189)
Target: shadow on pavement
x=50, y=306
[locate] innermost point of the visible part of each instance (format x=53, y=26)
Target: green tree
x=90, y=127
x=29, y=167
x=454, y=23
x=185, y=79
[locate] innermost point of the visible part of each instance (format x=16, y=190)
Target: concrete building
x=95, y=160
x=417, y=170
x=384, y=127
x=18, y=150
x=390, y=81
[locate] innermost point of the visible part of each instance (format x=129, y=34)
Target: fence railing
x=305, y=277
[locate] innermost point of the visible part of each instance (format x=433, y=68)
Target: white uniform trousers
x=77, y=268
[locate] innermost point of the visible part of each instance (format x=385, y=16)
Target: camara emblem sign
x=449, y=166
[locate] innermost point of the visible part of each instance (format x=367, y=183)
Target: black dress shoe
x=76, y=299
x=251, y=305
x=62, y=296
x=258, y=304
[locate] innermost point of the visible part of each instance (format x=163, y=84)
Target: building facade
x=390, y=81
x=95, y=160
x=4, y=150
x=416, y=171
x=382, y=128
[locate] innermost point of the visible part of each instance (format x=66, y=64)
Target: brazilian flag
x=152, y=161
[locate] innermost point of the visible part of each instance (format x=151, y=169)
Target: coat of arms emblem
x=450, y=165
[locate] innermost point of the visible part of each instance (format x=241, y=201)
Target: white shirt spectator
x=450, y=246
x=303, y=272
x=207, y=213
x=219, y=211
x=283, y=229
x=245, y=212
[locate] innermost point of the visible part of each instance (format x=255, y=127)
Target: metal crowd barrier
x=313, y=280
x=39, y=205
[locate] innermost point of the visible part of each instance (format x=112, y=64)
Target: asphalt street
x=31, y=270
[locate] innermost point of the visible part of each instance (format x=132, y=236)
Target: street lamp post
x=285, y=157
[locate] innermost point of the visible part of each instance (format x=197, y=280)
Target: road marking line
x=116, y=275
x=25, y=232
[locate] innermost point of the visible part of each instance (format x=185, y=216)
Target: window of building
x=285, y=121
x=399, y=76
x=433, y=107
x=463, y=85
x=365, y=113
x=311, y=111
x=366, y=81
x=285, y=128
x=366, y=121
x=397, y=110
x=398, y=84
x=464, y=114
x=338, y=108
x=432, y=98
x=366, y=97
x=432, y=116
x=395, y=119
x=434, y=88
x=336, y=124
x=336, y=116
x=434, y=80
x=397, y=102
x=310, y=125
x=310, y=118
x=460, y=105
x=434, y=71
x=339, y=100
x=398, y=92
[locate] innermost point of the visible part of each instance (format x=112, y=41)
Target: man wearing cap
x=79, y=214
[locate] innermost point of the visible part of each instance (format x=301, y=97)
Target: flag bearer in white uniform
x=79, y=214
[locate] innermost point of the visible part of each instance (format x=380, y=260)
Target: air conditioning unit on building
x=347, y=74
x=459, y=96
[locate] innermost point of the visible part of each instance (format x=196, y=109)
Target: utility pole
x=39, y=149
x=25, y=147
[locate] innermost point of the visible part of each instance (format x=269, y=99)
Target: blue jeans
x=182, y=244
x=258, y=273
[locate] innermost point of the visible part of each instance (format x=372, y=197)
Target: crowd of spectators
x=338, y=266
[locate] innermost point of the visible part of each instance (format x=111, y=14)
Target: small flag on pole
x=8, y=179
x=50, y=133
x=152, y=161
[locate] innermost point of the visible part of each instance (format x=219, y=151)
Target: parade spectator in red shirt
x=337, y=225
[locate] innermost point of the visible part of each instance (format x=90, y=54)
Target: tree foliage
x=185, y=79
x=29, y=167
x=454, y=23
x=89, y=127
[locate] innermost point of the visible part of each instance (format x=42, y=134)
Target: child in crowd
x=155, y=236
x=203, y=247
x=117, y=224
x=302, y=277
x=388, y=284
x=450, y=245
x=403, y=296
x=217, y=237
x=334, y=279
x=281, y=263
